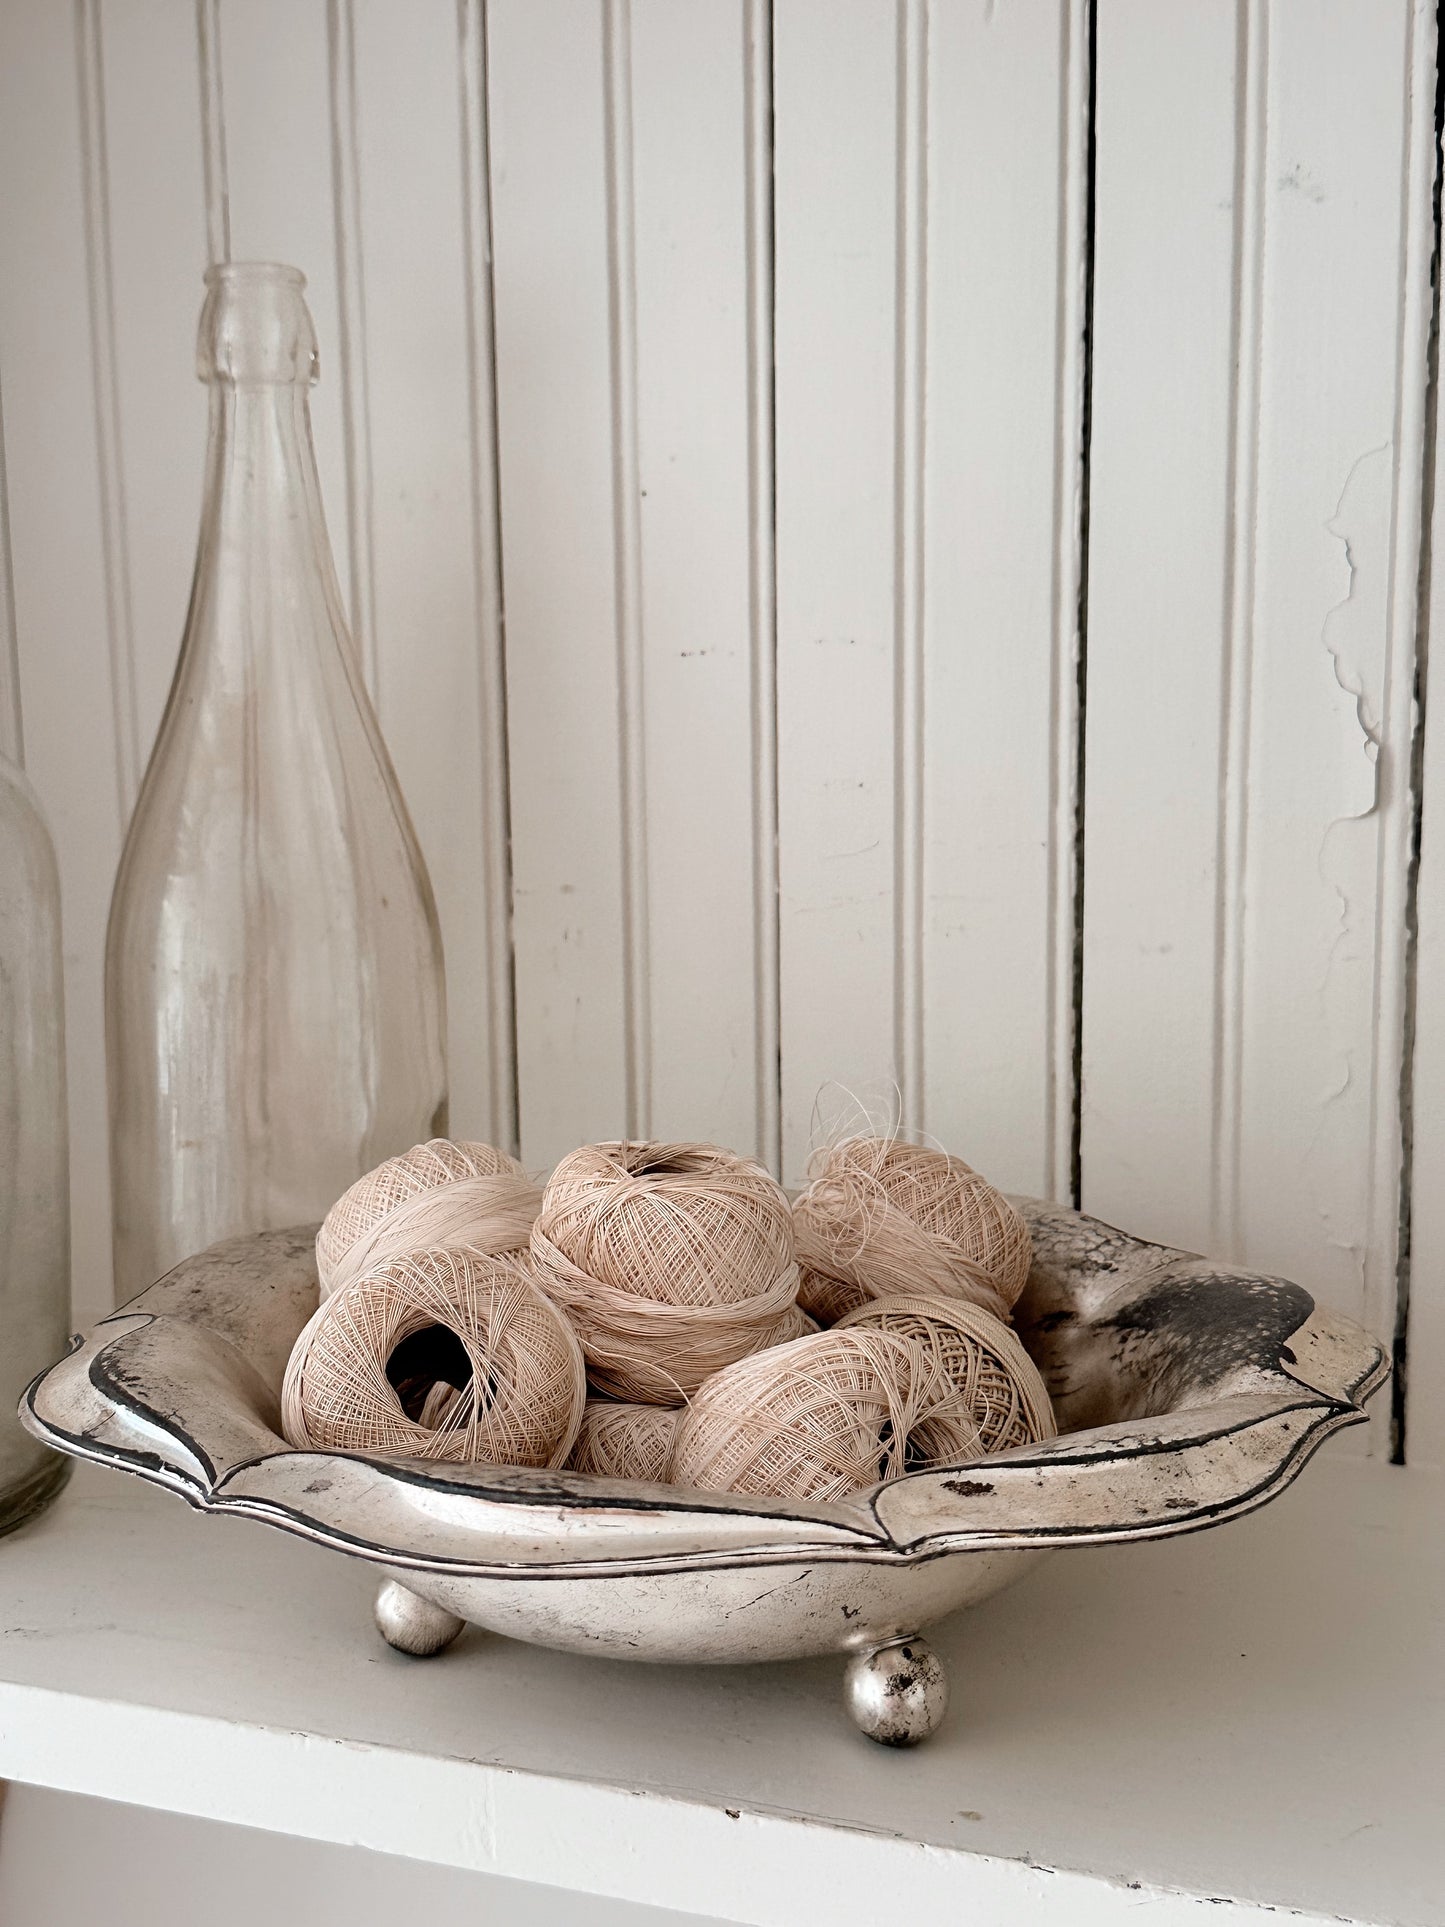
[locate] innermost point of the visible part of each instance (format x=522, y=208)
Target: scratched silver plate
x=1186, y=1392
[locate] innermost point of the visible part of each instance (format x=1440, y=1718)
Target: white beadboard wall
x=889, y=538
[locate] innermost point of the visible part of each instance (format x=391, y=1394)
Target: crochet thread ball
x=997, y=1380
x=435, y=1193
x=888, y=1217
x=621, y=1441
x=794, y=1323
x=827, y=1300
x=438, y=1354
x=824, y=1417
x=671, y=1260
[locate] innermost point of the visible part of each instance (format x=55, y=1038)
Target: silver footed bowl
x=1186, y=1392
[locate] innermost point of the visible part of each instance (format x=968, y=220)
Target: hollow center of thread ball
x=428, y=1357
x=661, y=1168
x=886, y=1438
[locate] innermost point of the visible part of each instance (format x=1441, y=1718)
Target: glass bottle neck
x=261, y=479
x=263, y=543
x=264, y=574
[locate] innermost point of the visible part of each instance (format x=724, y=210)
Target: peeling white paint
x=1353, y=639
x=1353, y=634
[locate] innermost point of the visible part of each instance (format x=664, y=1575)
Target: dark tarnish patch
x=968, y=1488
x=1123, y=1329
x=1087, y=1247
x=1052, y=1320
x=216, y=1405
x=1187, y=1333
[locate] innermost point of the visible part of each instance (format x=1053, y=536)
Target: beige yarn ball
x=620, y=1441
x=887, y=1217
x=997, y=1380
x=671, y=1260
x=794, y=1323
x=823, y=1417
x=828, y=1300
x=438, y=1354
x=435, y=1193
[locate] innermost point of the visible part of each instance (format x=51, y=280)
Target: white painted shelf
x=1252, y=1716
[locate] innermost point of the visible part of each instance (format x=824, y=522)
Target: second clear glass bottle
x=275, y=1014
x=34, y=1164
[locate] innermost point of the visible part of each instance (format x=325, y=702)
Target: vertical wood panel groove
x=626, y=484
x=910, y=430
x=351, y=298
x=1065, y=713
x=1081, y=661
x=487, y=567
x=1417, y=1433
x=213, y=132
x=100, y=287
x=12, y=715
x=1237, y=642
x=762, y=572
x=1396, y=910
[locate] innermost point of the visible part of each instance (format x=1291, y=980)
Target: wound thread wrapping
x=524, y=1386
x=436, y=1193
x=883, y=1217
x=672, y=1260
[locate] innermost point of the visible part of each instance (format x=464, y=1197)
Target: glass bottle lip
x=229, y=273
x=256, y=330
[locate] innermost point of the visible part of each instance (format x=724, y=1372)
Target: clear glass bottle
x=275, y=1012
x=34, y=1152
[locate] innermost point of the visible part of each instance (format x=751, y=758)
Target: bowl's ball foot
x=412, y=1624
x=898, y=1694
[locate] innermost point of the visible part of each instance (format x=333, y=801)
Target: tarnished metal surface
x=412, y=1624
x=897, y=1695
x=1187, y=1392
